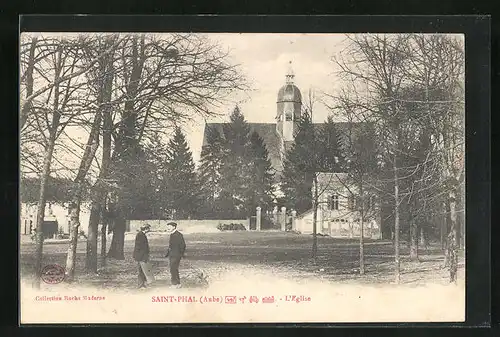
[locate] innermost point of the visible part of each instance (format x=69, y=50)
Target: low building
x=55, y=214
x=337, y=214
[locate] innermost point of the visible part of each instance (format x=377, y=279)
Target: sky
x=264, y=60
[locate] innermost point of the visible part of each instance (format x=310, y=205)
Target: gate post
x=283, y=218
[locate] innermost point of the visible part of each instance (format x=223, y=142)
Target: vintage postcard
x=242, y=178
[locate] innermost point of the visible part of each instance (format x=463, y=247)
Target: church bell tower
x=289, y=105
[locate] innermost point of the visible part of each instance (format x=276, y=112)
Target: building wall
x=185, y=226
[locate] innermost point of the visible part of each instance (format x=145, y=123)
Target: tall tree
x=101, y=81
x=438, y=70
x=386, y=77
x=181, y=182
x=261, y=175
x=362, y=165
x=316, y=149
x=210, y=173
x=168, y=81
x=297, y=179
x=376, y=63
x=236, y=170
x=331, y=156
x=49, y=110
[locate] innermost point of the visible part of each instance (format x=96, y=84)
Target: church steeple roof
x=289, y=92
x=290, y=75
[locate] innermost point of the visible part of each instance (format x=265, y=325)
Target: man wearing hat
x=175, y=252
x=141, y=255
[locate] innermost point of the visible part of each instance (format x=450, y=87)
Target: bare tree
x=51, y=112
x=75, y=205
x=373, y=68
x=438, y=69
x=102, y=82
x=361, y=181
x=165, y=81
x=309, y=106
x=407, y=85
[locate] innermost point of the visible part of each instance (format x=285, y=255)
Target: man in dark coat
x=141, y=254
x=175, y=252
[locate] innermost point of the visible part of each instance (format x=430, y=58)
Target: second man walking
x=175, y=253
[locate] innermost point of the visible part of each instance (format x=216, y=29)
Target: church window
x=333, y=202
x=288, y=116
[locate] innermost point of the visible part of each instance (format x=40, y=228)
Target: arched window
x=333, y=202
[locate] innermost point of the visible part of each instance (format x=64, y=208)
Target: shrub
x=231, y=227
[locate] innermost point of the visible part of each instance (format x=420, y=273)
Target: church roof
x=266, y=131
x=289, y=93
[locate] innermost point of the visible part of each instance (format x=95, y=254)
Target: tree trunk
x=447, y=228
x=361, y=230
x=413, y=240
x=42, y=199
x=361, y=248
x=91, y=257
x=315, y=218
x=396, y=221
x=86, y=162
x=460, y=219
x=128, y=139
x=53, y=130
x=423, y=240
x=443, y=221
x=453, y=238
x=408, y=238
x=103, y=241
x=73, y=242
x=118, y=240
x=106, y=86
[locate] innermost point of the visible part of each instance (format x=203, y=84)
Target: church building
x=278, y=138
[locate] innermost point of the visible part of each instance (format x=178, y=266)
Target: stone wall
x=185, y=226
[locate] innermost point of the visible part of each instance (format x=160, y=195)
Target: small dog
x=197, y=276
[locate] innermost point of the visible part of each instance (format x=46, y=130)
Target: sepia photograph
x=241, y=177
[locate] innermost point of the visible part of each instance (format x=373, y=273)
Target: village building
x=56, y=219
x=338, y=214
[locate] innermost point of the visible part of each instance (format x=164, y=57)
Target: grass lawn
x=286, y=255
